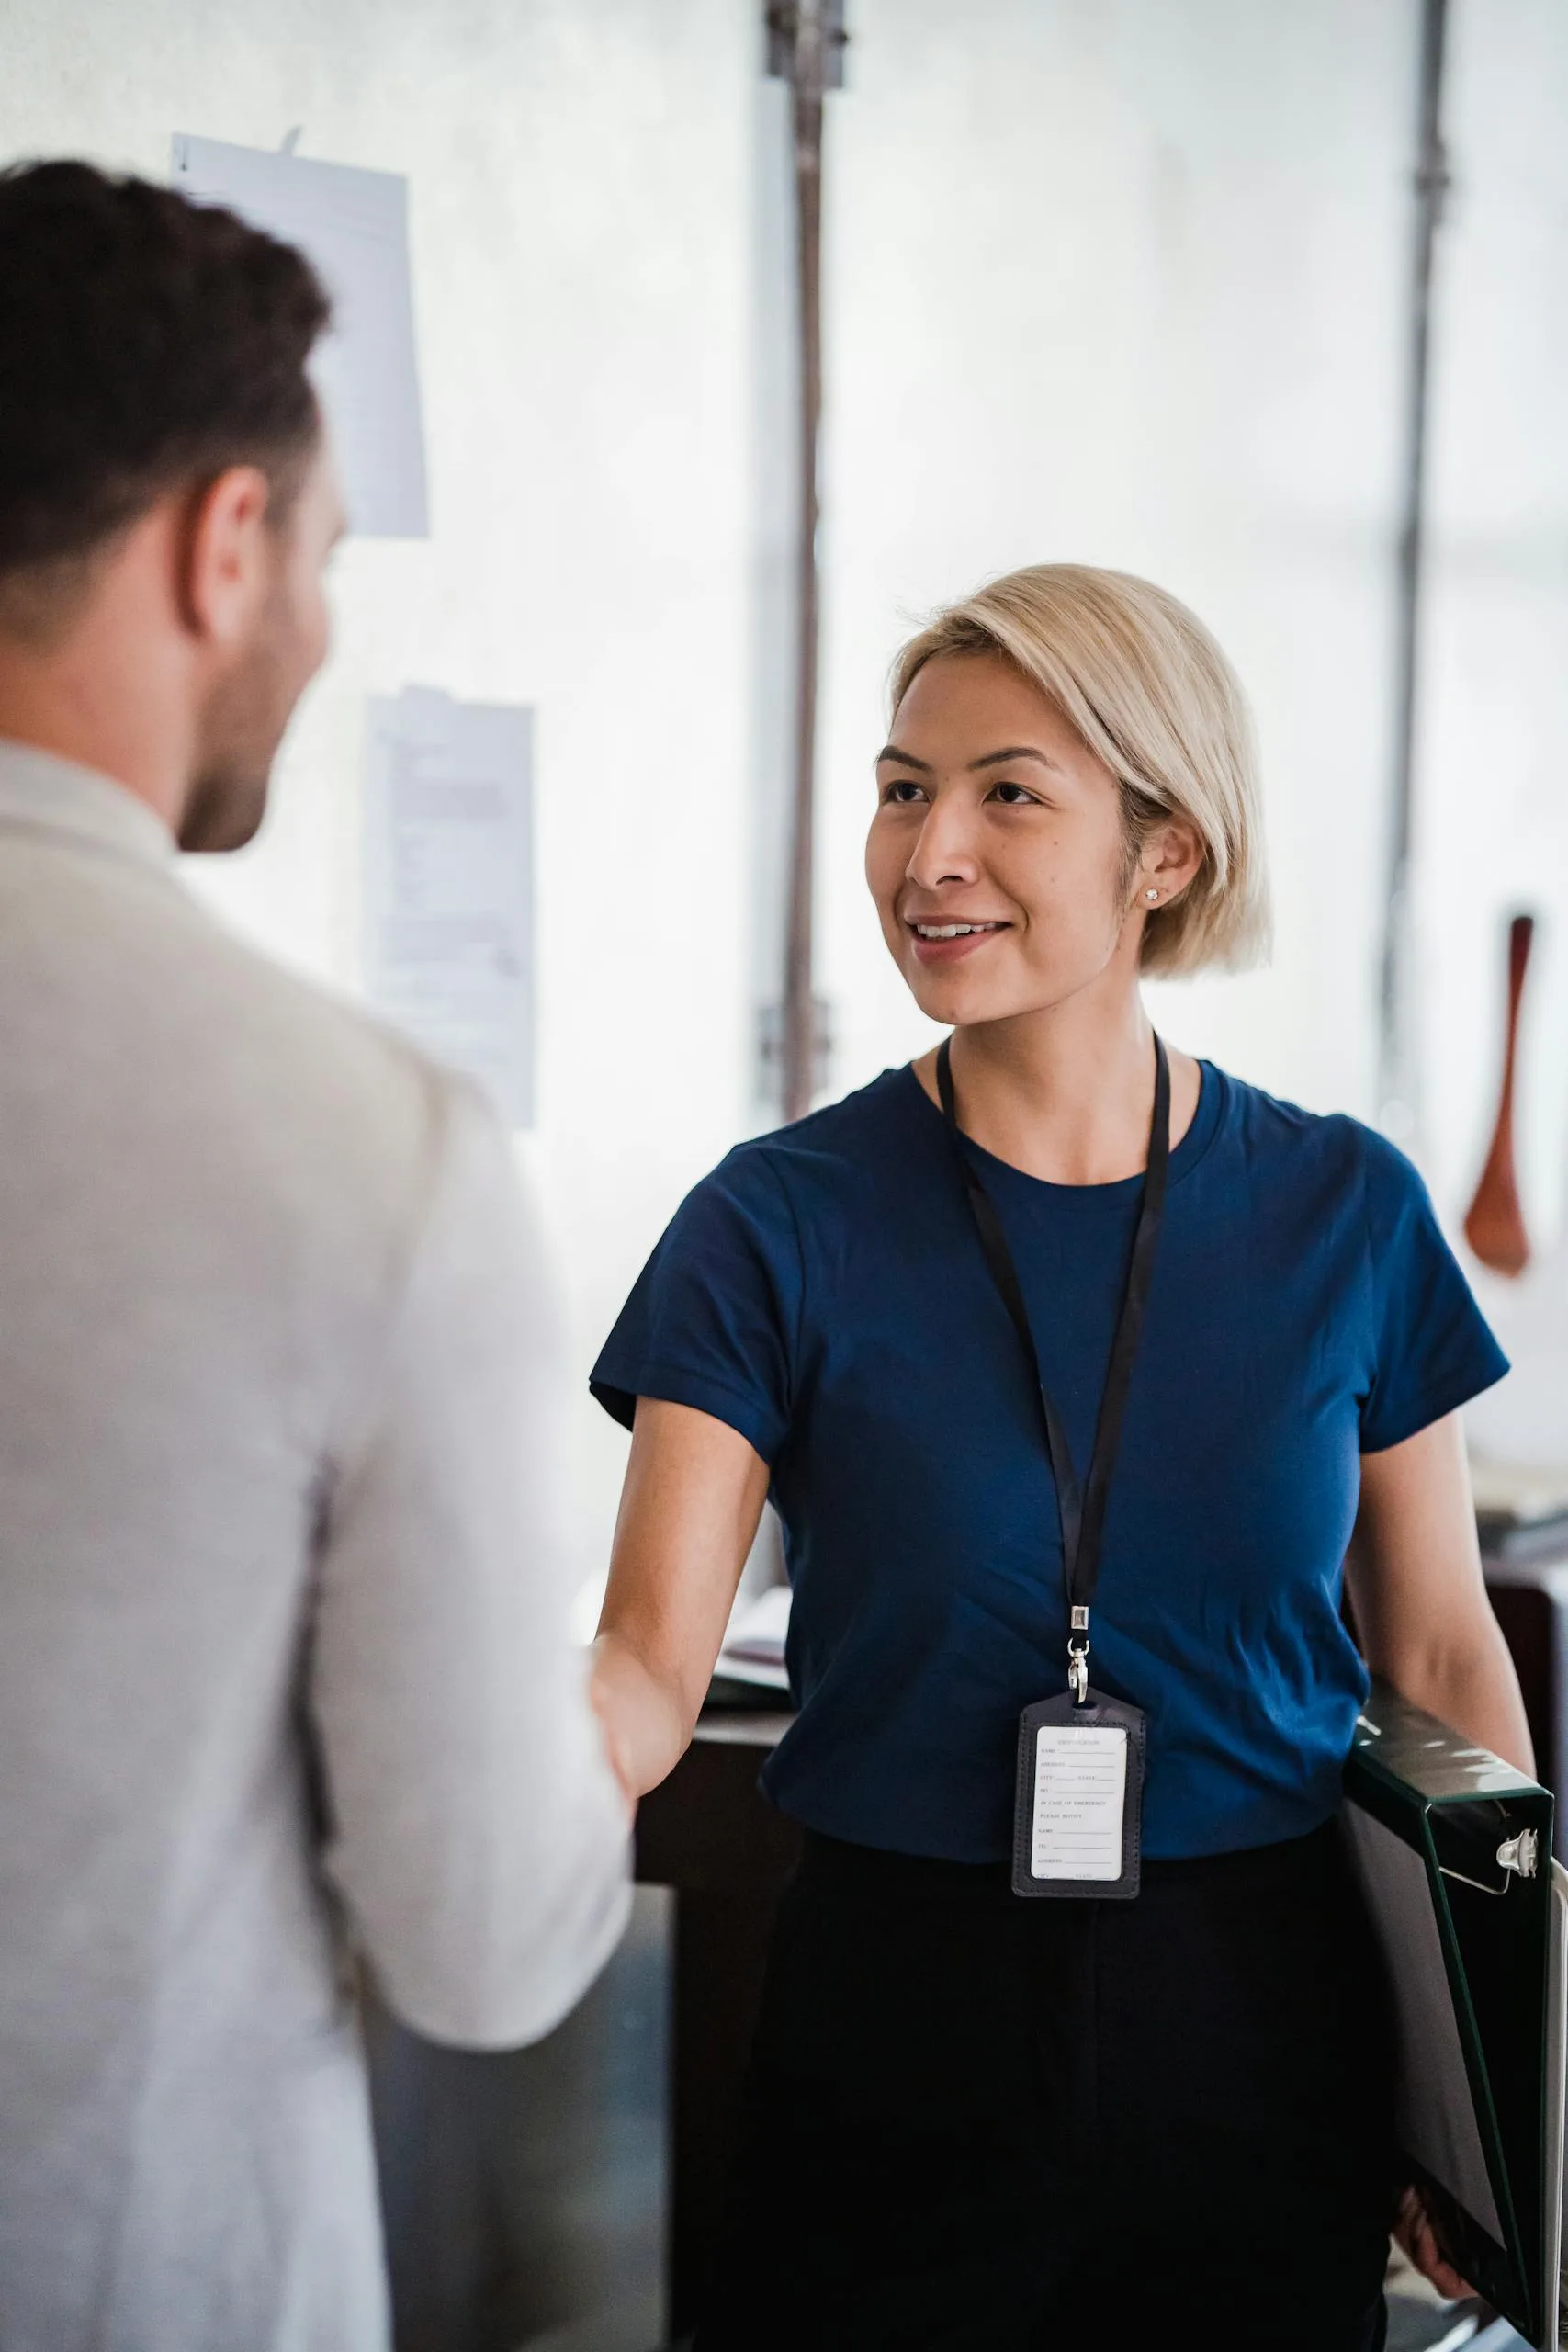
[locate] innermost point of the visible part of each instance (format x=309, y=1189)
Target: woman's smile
x=951, y=941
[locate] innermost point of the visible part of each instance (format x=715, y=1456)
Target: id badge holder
x=1078, y=1823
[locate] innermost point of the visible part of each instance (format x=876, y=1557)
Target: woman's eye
x=902, y=793
x=1013, y=796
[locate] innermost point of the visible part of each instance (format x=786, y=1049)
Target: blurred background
x=1123, y=281
x=1118, y=281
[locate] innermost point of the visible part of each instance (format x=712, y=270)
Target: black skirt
x=982, y=2125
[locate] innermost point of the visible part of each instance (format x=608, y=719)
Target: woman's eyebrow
x=1013, y=751
x=987, y=759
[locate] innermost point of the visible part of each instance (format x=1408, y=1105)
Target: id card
x=1078, y=1825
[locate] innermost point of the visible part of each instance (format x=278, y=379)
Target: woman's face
x=997, y=856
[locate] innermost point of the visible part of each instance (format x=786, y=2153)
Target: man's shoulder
x=130, y=972
x=354, y=1104
x=300, y=1045
x=262, y=1002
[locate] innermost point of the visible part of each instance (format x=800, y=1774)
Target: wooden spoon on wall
x=1495, y=1225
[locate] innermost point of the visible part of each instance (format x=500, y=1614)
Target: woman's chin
x=953, y=999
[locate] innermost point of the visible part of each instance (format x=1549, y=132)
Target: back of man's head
x=155, y=354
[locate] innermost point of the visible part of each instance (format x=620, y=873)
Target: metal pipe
x=1397, y=1076
x=805, y=46
x=800, y=1003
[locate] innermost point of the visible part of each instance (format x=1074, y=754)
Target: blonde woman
x=1074, y=1367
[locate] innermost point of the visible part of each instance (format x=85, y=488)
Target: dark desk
x=708, y=1834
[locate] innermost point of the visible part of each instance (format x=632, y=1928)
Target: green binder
x=1453, y=1849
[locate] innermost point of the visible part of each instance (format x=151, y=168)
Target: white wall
x=1122, y=280
x=1125, y=281
x=1492, y=835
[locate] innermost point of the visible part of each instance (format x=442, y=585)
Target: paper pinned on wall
x=448, y=884
x=353, y=225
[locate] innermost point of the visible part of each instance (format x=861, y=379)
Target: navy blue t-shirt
x=824, y=1293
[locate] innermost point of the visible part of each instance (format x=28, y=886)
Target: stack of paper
x=753, y=1647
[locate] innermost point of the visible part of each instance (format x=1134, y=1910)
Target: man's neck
x=69, y=705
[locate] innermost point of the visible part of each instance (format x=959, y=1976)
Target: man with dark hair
x=283, y=1654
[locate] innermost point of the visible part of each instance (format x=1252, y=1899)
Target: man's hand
x=1414, y=2232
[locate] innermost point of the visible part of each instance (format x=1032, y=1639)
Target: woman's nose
x=944, y=851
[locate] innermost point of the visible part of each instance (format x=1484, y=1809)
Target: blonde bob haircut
x=1144, y=683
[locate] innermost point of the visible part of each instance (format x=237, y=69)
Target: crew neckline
x=1201, y=1130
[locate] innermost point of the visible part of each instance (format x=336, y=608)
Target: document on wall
x=353, y=225
x=448, y=884
x=755, y=1640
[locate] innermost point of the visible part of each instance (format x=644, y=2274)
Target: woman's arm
x=690, y=1506
x=1415, y=1586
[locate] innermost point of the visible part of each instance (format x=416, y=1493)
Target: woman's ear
x=1170, y=861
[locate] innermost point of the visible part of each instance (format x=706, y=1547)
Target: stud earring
x=1151, y=894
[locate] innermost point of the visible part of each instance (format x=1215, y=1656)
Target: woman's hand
x=693, y=1495
x=1414, y=2230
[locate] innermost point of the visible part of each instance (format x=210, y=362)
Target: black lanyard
x=1082, y=1513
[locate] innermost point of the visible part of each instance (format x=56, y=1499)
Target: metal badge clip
x=1078, y=1657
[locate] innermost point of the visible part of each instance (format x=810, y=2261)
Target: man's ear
x=225, y=559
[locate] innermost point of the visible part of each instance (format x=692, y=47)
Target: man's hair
x=148, y=343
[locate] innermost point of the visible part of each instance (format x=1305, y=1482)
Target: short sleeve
x=712, y=1320
x=1433, y=1348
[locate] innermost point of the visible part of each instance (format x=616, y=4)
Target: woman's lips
x=954, y=951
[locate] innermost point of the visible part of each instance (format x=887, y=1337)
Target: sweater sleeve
x=476, y=1833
